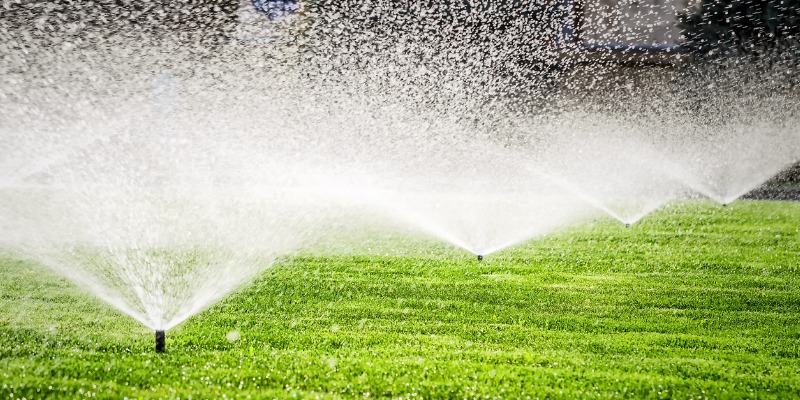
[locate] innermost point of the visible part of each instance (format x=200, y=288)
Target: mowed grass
x=695, y=301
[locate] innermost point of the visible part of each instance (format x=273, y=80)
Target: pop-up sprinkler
x=480, y=257
x=160, y=342
x=627, y=225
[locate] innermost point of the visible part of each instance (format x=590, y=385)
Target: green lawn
x=695, y=301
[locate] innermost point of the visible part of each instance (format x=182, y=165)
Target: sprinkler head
x=480, y=257
x=627, y=225
x=724, y=204
x=160, y=342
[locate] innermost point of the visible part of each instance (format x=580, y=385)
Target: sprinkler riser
x=160, y=342
x=480, y=257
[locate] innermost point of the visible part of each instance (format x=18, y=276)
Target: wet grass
x=696, y=301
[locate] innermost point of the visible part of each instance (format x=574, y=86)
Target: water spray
x=480, y=257
x=160, y=342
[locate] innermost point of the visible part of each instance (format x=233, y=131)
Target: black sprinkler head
x=724, y=204
x=160, y=342
x=627, y=225
x=480, y=257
